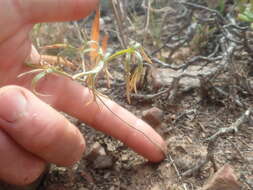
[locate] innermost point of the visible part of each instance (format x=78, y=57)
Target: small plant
x=99, y=59
x=201, y=38
x=245, y=8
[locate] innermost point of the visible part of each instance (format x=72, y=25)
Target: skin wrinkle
x=13, y=123
x=43, y=131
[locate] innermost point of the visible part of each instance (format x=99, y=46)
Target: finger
x=55, y=10
x=18, y=166
x=39, y=128
x=21, y=48
x=112, y=119
x=72, y=98
x=8, y=14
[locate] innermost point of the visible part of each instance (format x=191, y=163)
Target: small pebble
x=96, y=151
x=153, y=116
x=223, y=179
x=103, y=162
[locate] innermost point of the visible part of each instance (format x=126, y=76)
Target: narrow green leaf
x=249, y=14
x=243, y=17
x=87, y=50
x=139, y=56
x=118, y=53
x=29, y=72
x=38, y=77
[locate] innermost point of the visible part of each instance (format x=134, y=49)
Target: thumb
x=38, y=128
x=55, y=10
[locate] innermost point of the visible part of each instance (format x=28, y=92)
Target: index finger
x=104, y=115
x=112, y=119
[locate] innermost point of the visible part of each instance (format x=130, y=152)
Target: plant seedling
x=100, y=59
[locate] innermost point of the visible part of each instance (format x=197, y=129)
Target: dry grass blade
x=54, y=46
x=95, y=34
x=55, y=60
x=104, y=43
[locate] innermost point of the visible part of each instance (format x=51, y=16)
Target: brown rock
x=103, y=162
x=153, y=116
x=162, y=77
x=99, y=158
x=96, y=151
x=186, y=154
x=223, y=179
x=87, y=176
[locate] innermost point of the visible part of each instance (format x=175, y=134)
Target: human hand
x=32, y=133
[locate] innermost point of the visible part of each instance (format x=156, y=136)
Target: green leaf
x=87, y=50
x=99, y=67
x=249, y=14
x=244, y=17
x=118, y=53
x=38, y=77
x=139, y=56
x=29, y=72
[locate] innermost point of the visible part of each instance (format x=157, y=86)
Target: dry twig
x=234, y=127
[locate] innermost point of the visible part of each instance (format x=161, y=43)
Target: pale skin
x=32, y=131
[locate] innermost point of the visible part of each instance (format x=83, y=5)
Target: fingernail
x=12, y=104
